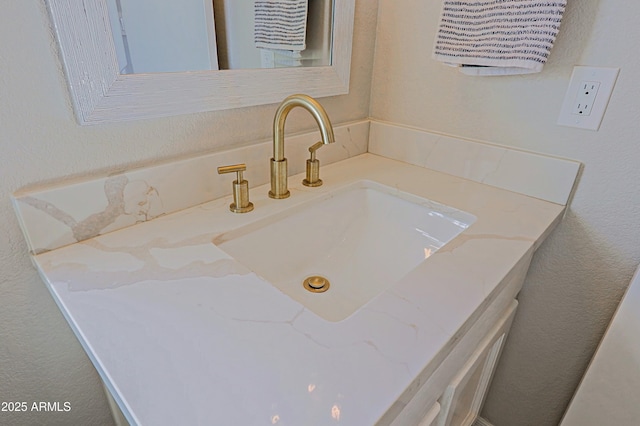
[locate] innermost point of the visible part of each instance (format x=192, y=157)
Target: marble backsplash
x=70, y=212
x=540, y=176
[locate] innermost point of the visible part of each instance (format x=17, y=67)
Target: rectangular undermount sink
x=361, y=239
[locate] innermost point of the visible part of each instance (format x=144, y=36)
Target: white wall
x=40, y=142
x=579, y=274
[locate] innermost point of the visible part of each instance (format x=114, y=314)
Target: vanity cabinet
x=463, y=398
x=455, y=387
x=160, y=308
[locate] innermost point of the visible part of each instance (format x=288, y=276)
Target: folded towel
x=497, y=37
x=280, y=24
x=276, y=58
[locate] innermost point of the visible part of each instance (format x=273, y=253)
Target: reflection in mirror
x=102, y=93
x=169, y=36
x=248, y=38
x=192, y=35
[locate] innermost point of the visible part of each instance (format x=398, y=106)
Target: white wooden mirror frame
x=100, y=94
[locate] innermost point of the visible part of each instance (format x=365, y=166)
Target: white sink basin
x=362, y=238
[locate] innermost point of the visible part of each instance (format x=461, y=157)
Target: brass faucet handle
x=313, y=148
x=313, y=167
x=234, y=168
x=241, y=203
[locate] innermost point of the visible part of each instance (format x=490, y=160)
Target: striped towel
x=497, y=37
x=280, y=24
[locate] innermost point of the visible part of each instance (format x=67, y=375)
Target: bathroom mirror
x=101, y=93
x=194, y=35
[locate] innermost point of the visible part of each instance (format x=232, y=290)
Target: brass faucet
x=241, y=203
x=279, y=162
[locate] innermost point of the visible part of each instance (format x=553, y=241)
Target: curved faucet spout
x=279, y=162
x=311, y=105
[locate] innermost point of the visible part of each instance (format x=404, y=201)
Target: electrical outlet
x=587, y=97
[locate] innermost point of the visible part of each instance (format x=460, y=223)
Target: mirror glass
x=104, y=88
x=153, y=36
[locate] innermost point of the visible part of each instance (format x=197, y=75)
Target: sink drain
x=316, y=284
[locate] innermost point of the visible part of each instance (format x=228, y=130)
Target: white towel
x=281, y=24
x=280, y=58
x=497, y=37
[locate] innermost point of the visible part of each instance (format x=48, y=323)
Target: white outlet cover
x=607, y=79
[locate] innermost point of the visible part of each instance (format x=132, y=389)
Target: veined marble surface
x=183, y=334
x=528, y=173
x=53, y=217
x=71, y=212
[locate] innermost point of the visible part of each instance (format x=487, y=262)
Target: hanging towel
x=280, y=24
x=497, y=37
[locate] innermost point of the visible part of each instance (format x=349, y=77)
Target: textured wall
x=580, y=273
x=40, y=359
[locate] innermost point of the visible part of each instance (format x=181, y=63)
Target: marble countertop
x=183, y=334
